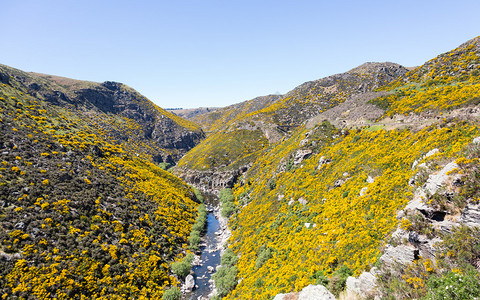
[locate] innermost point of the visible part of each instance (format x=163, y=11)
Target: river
x=210, y=253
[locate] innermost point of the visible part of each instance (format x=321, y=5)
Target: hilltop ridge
x=239, y=133
x=168, y=136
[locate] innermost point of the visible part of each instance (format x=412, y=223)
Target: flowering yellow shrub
x=346, y=227
x=111, y=221
x=448, y=81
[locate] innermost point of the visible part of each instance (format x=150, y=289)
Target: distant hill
x=240, y=132
x=212, y=121
x=189, y=113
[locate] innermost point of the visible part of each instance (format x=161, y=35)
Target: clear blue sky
x=192, y=53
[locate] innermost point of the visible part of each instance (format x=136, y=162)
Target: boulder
x=189, y=283
x=323, y=161
x=363, y=191
x=311, y=292
x=402, y=254
x=302, y=201
x=363, y=286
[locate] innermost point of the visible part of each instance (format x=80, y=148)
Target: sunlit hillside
x=85, y=211
x=346, y=192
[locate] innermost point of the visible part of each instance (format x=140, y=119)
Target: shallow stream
x=210, y=256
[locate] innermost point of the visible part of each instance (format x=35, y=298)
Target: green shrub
x=227, y=198
x=338, y=280
x=320, y=278
x=263, y=255
x=226, y=195
x=454, y=286
x=229, y=259
x=461, y=247
x=182, y=268
x=198, y=228
x=172, y=293
x=194, y=239
x=164, y=165
x=228, y=208
x=198, y=194
x=225, y=280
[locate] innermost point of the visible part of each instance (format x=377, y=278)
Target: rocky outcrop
x=115, y=98
x=166, y=133
x=471, y=215
x=311, y=292
x=363, y=286
x=402, y=254
x=4, y=78
x=211, y=181
x=300, y=155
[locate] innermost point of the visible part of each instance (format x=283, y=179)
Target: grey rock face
x=211, y=181
x=315, y=292
x=434, y=182
x=402, y=254
x=471, y=215
x=301, y=155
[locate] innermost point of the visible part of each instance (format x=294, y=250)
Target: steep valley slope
x=370, y=173
x=238, y=134
x=85, y=210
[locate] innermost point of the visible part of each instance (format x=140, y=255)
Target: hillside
x=120, y=111
x=190, y=113
x=85, y=212
x=359, y=185
x=370, y=186
x=216, y=120
x=240, y=133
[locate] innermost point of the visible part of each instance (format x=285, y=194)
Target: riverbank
x=212, y=247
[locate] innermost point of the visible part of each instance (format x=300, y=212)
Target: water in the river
x=210, y=256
